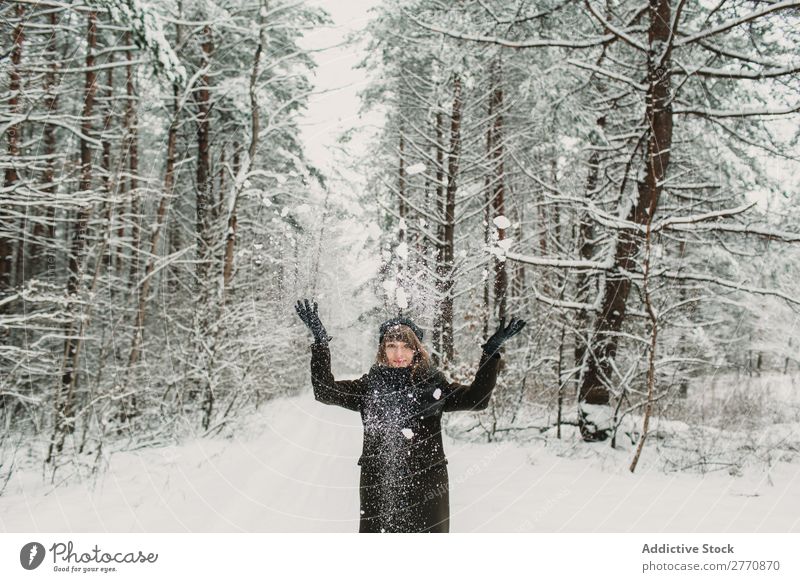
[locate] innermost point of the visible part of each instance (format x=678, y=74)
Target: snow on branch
x=560, y=303
x=737, y=74
x=52, y=121
x=684, y=276
x=736, y=22
x=607, y=73
x=149, y=35
x=772, y=235
x=619, y=33
x=540, y=42
x=519, y=19
x=717, y=214
x=707, y=112
x=734, y=54
x=560, y=263
x=165, y=262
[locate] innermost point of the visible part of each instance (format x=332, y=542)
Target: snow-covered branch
x=764, y=111
x=778, y=6
x=541, y=42
x=560, y=263
x=686, y=276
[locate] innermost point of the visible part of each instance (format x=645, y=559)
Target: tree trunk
x=12, y=136
x=401, y=186
x=44, y=231
x=454, y=157
x=440, y=271
x=595, y=386
x=105, y=160
x=132, y=150
x=487, y=240
x=585, y=243
x=64, y=423
x=487, y=215
x=518, y=269
x=230, y=234
x=651, y=359
x=498, y=190
x=255, y=129
x=173, y=230
x=204, y=197
x=219, y=202
x=161, y=213
x=203, y=171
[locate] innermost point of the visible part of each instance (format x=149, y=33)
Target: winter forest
x=624, y=174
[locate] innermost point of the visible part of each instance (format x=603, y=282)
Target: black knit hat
x=399, y=321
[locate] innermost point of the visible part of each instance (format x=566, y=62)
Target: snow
x=407, y=432
x=417, y=168
x=402, y=251
x=505, y=244
x=597, y=415
x=400, y=298
x=395, y=293
x=437, y=394
x=292, y=468
x=501, y=222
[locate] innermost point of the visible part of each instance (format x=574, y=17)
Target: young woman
x=404, y=485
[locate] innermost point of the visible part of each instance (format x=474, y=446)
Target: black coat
x=404, y=484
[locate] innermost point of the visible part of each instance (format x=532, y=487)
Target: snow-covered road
x=293, y=469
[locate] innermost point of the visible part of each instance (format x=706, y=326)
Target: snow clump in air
x=389, y=286
x=400, y=298
x=402, y=250
x=417, y=168
x=501, y=222
x=407, y=432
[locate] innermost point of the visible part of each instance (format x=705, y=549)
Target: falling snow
x=417, y=168
x=501, y=222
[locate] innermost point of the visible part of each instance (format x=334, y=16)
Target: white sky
x=334, y=106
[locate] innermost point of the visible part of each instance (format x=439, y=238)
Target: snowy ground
x=293, y=468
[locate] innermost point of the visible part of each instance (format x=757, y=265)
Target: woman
x=404, y=485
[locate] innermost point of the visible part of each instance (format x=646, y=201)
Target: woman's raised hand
x=308, y=314
x=493, y=344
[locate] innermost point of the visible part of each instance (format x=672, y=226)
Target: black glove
x=493, y=344
x=311, y=319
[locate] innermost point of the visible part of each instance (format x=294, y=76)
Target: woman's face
x=398, y=354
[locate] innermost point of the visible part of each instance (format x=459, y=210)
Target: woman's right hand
x=309, y=315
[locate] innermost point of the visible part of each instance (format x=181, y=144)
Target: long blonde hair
x=421, y=365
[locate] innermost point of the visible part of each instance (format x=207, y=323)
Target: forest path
x=293, y=469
